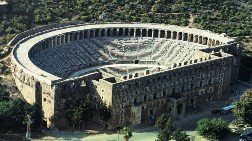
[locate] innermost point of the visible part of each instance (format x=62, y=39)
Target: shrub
x=216, y=128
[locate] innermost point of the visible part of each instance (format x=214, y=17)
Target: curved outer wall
x=50, y=91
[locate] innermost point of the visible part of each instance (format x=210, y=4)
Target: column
x=134, y=32
x=105, y=32
x=199, y=40
x=68, y=37
x=123, y=31
x=172, y=34
x=59, y=40
x=78, y=35
x=64, y=39
x=141, y=32
x=55, y=41
x=209, y=42
x=99, y=33
x=177, y=36
x=111, y=32
x=82, y=35
x=152, y=34
x=166, y=34
x=88, y=33
x=159, y=33
x=117, y=32
x=52, y=42
x=195, y=38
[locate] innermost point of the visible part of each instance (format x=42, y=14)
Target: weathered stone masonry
x=138, y=95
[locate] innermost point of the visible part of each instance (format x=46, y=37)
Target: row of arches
x=122, y=32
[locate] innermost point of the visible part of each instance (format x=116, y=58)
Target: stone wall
x=207, y=76
x=191, y=85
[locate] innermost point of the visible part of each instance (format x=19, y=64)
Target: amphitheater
x=140, y=70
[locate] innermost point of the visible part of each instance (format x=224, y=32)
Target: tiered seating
x=65, y=59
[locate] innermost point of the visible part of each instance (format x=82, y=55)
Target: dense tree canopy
x=77, y=110
x=13, y=114
x=212, y=128
x=243, y=108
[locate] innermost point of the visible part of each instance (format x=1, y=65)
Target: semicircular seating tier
x=59, y=53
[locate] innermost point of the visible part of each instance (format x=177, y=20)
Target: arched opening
x=108, y=32
x=185, y=37
x=150, y=33
x=195, y=40
x=138, y=32
x=144, y=33
x=155, y=33
x=91, y=33
x=174, y=35
x=168, y=34
x=125, y=77
x=120, y=32
x=179, y=108
x=162, y=34
x=66, y=38
x=102, y=32
x=132, y=32
x=71, y=36
x=114, y=31
x=180, y=36
x=135, y=101
x=58, y=38
x=81, y=35
x=126, y=32
x=147, y=71
x=85, y=34
x=155, y=96
x=145, y=97
x=213, y=42
x=96, y=33
x=190, y=37
x=217, y=42
x=75, y=36
x=209, y=43
x=205, y=40
x=200, y=40
x=136, y=74
x=62, y=39
x=44, y=45
x=130, y=76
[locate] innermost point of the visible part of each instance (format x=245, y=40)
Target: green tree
x=164, y=123
x=216, y=128
x=243, y=108
x=167, y=131
x=179, y=135
x=77, y=109
x=126, y=132
x=13, y=114
x=105, y=112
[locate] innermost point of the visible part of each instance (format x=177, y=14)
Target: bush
x=216, y=128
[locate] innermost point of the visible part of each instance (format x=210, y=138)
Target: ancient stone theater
x=140, y=70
